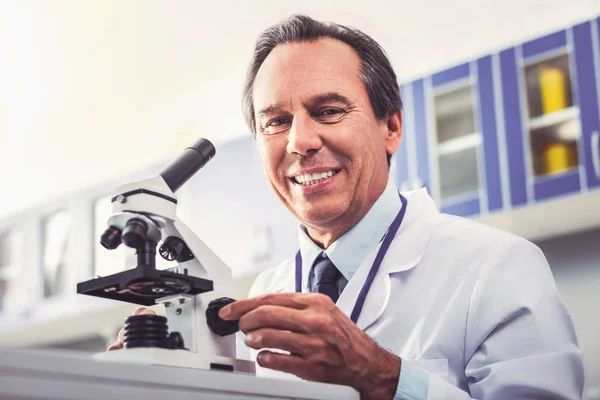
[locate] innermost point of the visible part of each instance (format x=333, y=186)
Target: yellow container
x=553, y=89
x=558, y=157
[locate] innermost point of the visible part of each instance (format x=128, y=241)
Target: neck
x=325, y=235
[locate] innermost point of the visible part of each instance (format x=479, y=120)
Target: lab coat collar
x=414, y=234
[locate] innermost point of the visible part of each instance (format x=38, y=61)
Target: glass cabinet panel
x=457, y=141
x=56, y=231
x=553, y=123
x=11, y=250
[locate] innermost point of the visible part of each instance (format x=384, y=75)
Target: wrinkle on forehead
x=305, y=69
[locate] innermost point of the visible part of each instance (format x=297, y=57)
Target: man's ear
x=393, y=132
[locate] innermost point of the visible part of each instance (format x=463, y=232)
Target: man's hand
x=324, y=344
x=119, y=342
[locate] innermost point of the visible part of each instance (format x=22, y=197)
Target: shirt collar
x=350, y=250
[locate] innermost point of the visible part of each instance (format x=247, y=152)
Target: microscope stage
x=144, y=285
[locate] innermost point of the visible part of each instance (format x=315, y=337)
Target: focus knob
x=218, y=325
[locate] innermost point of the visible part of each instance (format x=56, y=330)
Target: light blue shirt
x=349, y=252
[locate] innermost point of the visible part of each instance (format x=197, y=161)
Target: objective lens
x=135, y=233
x=111, y=238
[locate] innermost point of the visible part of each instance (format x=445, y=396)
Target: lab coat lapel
x=376, y=299
x=404, y=253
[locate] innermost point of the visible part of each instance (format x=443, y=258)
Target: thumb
x=143, y=311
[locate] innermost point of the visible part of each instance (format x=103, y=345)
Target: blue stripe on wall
x=464, y=209
x=547, y=43
x=487, y=115
x=513, y=125
x=555, y=186
x=449, y=75
x=421, y=133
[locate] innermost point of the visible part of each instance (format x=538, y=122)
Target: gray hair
x=377, y=73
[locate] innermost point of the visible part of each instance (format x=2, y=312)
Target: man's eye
x=277, y=122
x=329, y=115
x=276, y=125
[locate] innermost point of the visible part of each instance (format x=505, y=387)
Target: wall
x=114, y=86
x=575, y=263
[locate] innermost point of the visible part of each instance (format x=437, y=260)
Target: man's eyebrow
x=314, y=101
x=271, y=109
x=327, y=98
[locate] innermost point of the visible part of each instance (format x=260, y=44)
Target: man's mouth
x=314, y=178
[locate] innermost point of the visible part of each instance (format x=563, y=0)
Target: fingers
x=297, y=301
x=143, y=311
x=282, y=318
x=292, y=364
x=305, y=346
x=116, y=346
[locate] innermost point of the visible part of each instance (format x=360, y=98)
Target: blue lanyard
x=387, y=240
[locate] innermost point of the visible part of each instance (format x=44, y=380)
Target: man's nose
x=304, y=136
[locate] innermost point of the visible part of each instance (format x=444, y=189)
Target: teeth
x=311, y=179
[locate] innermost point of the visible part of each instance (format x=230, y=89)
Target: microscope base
x=38, y=374
x=176, y=358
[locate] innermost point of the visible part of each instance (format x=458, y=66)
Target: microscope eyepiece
x=188, y=163
x=111, y=238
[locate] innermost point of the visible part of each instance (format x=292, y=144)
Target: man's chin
x=319, y=216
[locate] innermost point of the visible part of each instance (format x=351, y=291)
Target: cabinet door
x=551, y=113
x=455, y=141
x=586, y=53
x=456, y=113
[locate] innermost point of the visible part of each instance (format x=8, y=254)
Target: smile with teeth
x=312, y=179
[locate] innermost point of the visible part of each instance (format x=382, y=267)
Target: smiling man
x=408, y=303
x=385, y=294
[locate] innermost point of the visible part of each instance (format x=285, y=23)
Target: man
x=407, y=303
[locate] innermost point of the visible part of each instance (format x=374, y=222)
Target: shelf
x=554, y=142
x=459, y=144
x=576, y=169
x=532, y=222
x=555, y=118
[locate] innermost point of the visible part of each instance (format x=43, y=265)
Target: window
x=57, y=229
x=11, y=249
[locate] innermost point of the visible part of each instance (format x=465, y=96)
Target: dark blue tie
x=326, y=277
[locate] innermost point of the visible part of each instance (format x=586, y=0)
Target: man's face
x=323, y=150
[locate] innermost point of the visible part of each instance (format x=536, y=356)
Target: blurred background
x=501, y=120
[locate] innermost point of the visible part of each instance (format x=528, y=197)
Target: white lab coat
x=474, y=307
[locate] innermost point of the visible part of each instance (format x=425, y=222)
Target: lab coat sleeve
x=520, y=341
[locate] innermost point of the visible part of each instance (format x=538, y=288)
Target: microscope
x=192, y=335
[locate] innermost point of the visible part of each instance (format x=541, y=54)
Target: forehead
x=297, y=71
